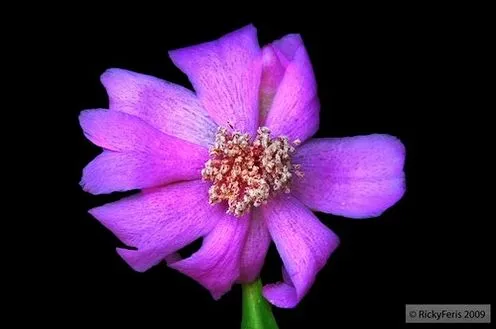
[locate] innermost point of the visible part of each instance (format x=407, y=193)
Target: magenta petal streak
x=159, y=222
x=255, y=248
x=294, y=110
x=226, y=76
x=216, y=265
x=355, y=177
x=172, y=109
x=137, y=156
x=304, y=245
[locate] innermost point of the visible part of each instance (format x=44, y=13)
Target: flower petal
x=115, y=171
x=216, y=264
x=226, y=76
x=286, y=47
x=356, y=177
x=295, y=108
x=149, y=157
x=255, y=248
x=160, y=221
x=170, y=108
x=304, y=245
x=272, y=74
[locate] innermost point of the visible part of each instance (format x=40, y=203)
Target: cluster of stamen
x=245, y=173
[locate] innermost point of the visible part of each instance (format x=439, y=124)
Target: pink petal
x=226, y=76
x=139, y=156
x=356, y=177
x=170, y=108
x=255, y=248
x=295, y=108
x=272, y=74
x=287, y=46
x=115, y=171
x=304, y=245
x=160, y=221
x=216, y=264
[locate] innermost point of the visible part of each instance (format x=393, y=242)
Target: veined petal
x=272, y=74
x=115, y=171
x=226, y=76
x=356, y=177
x=287, y=47
x=255, y=248
x=160, y=221
x=294, y=110
x=170, y=108
x=137, y=156
x=216, y=265
x=304, y=245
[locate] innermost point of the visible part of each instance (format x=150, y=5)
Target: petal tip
x=111, y=71
x=288, y=46
x=292, y=37
x=392, y=142
x=89, y=185
x=280, y=295
x=131, y=257
x=95, y=212
x=83, y=115
x=86, y=188
x=249, y=28
x=176, y=55
x=335, y=241
x=86, y=117
x=217, y=295
x=109, y=74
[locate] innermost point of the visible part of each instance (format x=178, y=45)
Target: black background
x=377, y=73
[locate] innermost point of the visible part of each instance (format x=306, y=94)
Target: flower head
x=233, y=163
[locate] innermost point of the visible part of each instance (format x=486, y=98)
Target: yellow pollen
x=245, y=173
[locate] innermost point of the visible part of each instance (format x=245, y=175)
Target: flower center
x=245, y=173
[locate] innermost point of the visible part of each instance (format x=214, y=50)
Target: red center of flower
x=245, y=173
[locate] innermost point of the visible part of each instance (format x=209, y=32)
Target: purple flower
x=225, y=163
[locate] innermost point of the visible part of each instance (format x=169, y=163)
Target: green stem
x=257, y=313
